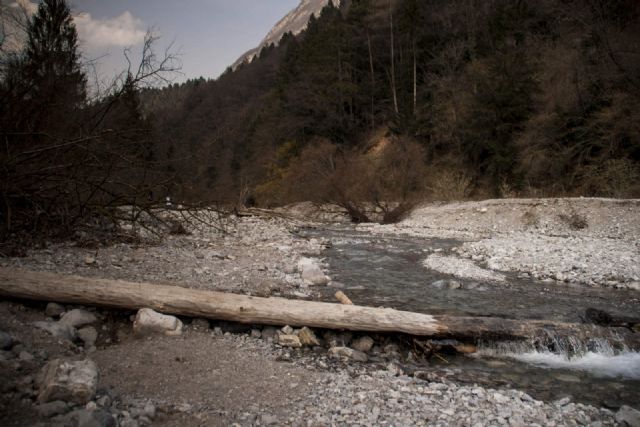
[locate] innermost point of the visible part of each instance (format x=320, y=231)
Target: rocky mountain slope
x=295, y=22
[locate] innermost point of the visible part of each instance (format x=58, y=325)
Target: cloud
x=123, y=30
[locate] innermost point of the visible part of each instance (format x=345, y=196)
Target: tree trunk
x=373, y=82
x=393, y=60
x=47, y=286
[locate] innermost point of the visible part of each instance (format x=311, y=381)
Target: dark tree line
x=502, y=97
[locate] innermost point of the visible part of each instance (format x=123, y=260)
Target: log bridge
x=47, y=286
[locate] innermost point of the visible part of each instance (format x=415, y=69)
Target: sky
x=209, y=34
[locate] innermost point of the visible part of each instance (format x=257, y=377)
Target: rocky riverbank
x=594, y=242
x=214, y=373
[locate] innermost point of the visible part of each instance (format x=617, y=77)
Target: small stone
x=307, y=337
x=89, y=260
x=201, y=324
x=77, y=317
x=97, y=418
x=268, y=420
x=104, y=401
x=363, y=344
x=6, y=341
x=289, y=341
x=51, y=409
x=287, y=330
x=150, y=410
x=150, y=322
x=58, y=330
x=347, y=353
x=54, y=309
x=184, y=407
x=218, y=331
x=562, y=402
x=628, y=416
x=25, y=356
x=88, y=335
x=255, y=333
x=269, y=332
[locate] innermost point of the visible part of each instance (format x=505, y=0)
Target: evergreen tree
x=55, y=83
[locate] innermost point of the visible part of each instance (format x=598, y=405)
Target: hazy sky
x=211, y=34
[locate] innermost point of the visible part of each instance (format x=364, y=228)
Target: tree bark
x=393, y=60
x=176, y=300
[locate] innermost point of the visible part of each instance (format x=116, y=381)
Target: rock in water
x=363, y=344
x=627, y=416
x=148, y=321
x=69, y=381
x=77, y=317
x=58, y=330
x=307, y=337
x=347, y=353
x=311, y=272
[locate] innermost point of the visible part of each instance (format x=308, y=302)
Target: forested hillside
x=403, y=99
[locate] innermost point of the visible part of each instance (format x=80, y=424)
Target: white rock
x=58, y=330
x=311, y=272
x=77, y=317
x=69, y=381
x=289, y=341
x=148, y=321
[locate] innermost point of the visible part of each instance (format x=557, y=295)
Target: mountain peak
x=295, y=22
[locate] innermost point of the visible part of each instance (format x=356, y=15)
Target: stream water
x=388, y=271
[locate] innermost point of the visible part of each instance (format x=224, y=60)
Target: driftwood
x=340, y=296
x=176, y=300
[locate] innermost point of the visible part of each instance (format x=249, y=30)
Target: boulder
x=77, y=317
x=363, y=344
x=289, y=341
x=628, y=416
x=88, y=335
x=69, y=381
x=347, y=353
x=54, y=310
x=148, y=322
x=311, y=272
x=6, y=341
x=58, y=330
x=307, y=337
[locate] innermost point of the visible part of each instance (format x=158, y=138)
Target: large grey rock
x=69, y=381
x=148, y=322
x=6, y=341
x=78, y=317
x=88, y=335
x=347, y=353
x=54, y=309
x=628, y=416
x=311, y=272
x=58, y=330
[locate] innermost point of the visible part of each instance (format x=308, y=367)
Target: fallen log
x=45, y=286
